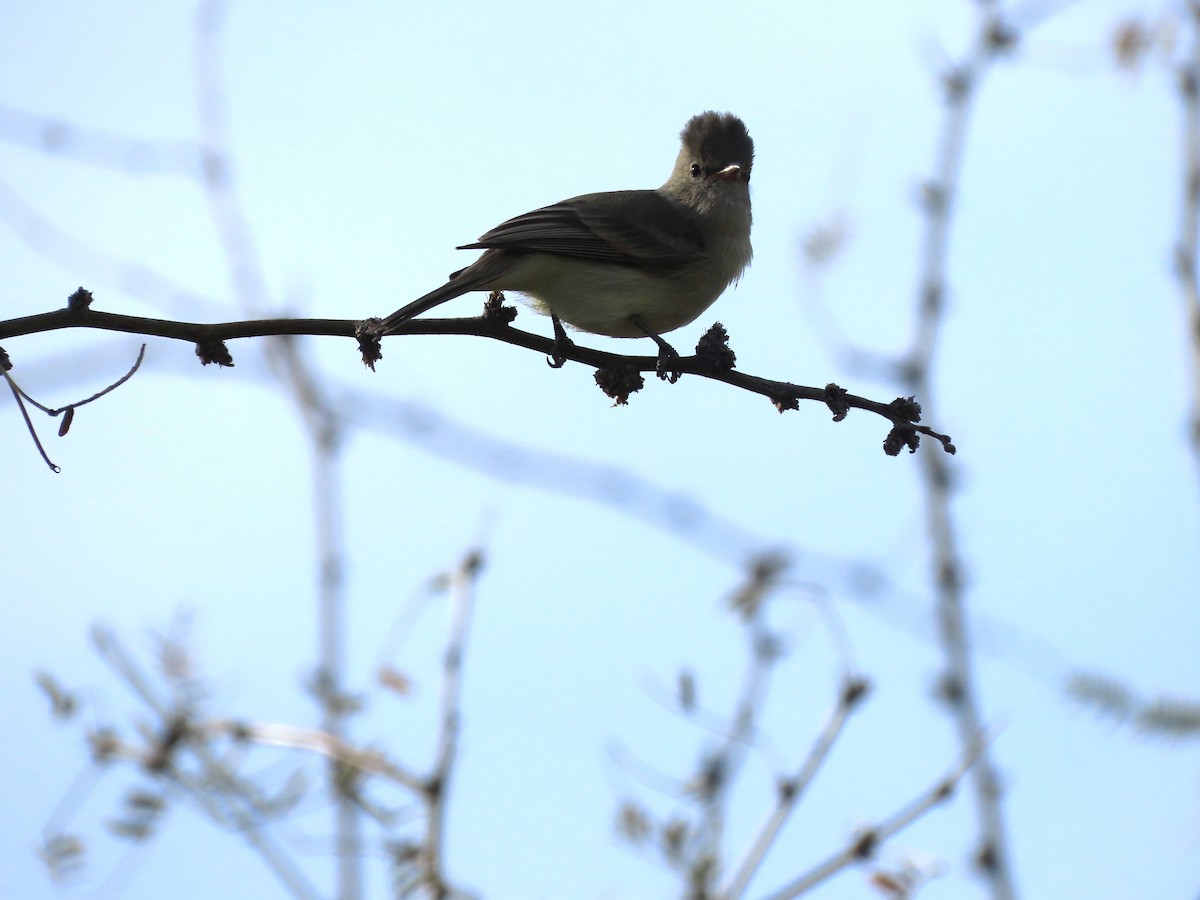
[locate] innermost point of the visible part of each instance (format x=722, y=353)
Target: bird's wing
x=633, y=228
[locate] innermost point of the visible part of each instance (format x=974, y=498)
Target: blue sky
x=370, y=140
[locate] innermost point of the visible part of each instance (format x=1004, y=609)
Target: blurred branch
x=994, y=37
x=365, y=760
x=996, y=34
x=73, y=254
x=430, y=859
x=693, y=845
x=188, y=753
x=94, y=146
x=789, y=790
x=302, y=382
x=175, y=751
x=1186, y=247
x=865, y=582
x=869, y=839
x=1175, y=718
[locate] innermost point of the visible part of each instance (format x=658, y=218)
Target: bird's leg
x=668, y=360
x=562, y=343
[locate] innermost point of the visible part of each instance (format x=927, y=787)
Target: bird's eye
x=696, y=170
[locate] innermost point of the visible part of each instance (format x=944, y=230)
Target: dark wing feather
x=632, y=228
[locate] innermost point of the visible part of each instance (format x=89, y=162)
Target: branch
x=994, y=38
x=366, y=760
x=854, y=690
x=617, y=375
x=97, y=147
x=177, y=737
x=869, y=839
x=1189, y=216
x=429, y=858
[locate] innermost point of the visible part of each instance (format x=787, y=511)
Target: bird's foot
x=668, y=366
x=562, y=345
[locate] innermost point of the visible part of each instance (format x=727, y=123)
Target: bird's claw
x=667, y=367
x=562, y=345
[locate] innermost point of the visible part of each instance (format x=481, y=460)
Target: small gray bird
x=626, y=263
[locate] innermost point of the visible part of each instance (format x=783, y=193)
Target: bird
x=625, y=264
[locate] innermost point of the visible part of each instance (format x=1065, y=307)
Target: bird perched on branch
x=626, y=263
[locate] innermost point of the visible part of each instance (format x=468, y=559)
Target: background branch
x=869, y=839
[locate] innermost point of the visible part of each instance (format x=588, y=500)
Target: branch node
x=835, y=399
x=987, y=858
x=80, y=300
x=899, y=437
x=619, y=381
x=907, y=409
x=950, y=690
x=1000, y=37
x=369, y=333
x=713, y=351
x=864, y=844
x=958, y=82
x=787, y=788
x=213, y=351
x=1189, y=83
x=854, y=691
x=496, y=315
x=935, y=198
x=784, y=402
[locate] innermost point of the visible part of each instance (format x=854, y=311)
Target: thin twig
x=20, y=396
x=718, y=770
x=314, y=740
x=867, y=840
x=96, y=396
x=790, y=790
x=436, y=790
x=215, y=782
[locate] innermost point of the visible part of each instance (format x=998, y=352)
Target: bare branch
x=430, y=859
x=94, y=146
x=903, y=413
x=1188, y=238
x=995, y=36
x=869, y=839
x=789, y=790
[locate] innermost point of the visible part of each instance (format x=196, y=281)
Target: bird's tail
x=485, y=273
x=459, y=284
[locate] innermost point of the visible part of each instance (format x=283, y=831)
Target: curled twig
x=68, y=411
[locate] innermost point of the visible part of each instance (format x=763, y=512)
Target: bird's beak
x=732, y=172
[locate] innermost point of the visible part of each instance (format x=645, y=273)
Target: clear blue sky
x=368, y=141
